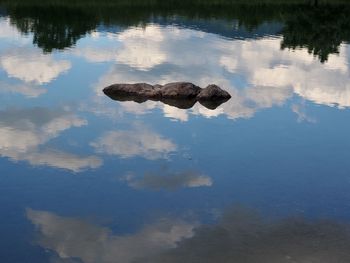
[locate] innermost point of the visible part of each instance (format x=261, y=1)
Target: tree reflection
x=53, y=27
x=319, y=29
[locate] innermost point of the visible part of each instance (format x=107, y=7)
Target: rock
x=126, y=97
x=182, y=95
x=213, y=92
x=137, y=90
x=180, y=90
x=213, y=96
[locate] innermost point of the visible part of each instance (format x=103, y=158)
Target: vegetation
x=57, y=24
x=166, y=2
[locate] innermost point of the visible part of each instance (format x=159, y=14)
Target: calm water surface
x=262, y=178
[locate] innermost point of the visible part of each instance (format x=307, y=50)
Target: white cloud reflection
x=76, y=238
x=299, y=110
x=62, y=160
x=23, y=132
x=26, y=66
x=257, y=73
x=240, y=235
x=139, y=47
x=30, y=91
x=31, y=66
x=135, y=142
x=10, y=32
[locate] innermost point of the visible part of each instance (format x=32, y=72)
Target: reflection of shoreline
x=240, y=235
x=321, y=29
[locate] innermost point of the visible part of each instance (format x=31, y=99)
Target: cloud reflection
x=27, y=68
x=63, y=160
x=241, y=235
x=300, y=112
x=165, y=180
x=23, y=132
x=30, y=91
x=257, y=73
x=76, y=238
x=138, y=142
x=9, y=32
x=31, y=66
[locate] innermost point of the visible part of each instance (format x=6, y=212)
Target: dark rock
x=137, y=90
x=180, y=90
x=213, y=92
x=126, y=97
x=182, y=95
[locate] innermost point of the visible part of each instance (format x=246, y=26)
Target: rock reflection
x=167, y=180
x=178, y=103
x=241, y=235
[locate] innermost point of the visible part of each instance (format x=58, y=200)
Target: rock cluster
x=179, y=94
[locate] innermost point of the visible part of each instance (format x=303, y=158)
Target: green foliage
x=84, y=3
x=57, y=24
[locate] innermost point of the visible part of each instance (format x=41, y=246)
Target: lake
x=263, y=177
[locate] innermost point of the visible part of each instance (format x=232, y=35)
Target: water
x=263, y=177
